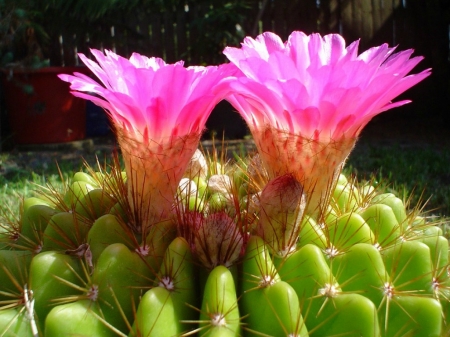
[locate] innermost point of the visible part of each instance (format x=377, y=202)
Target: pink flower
x=307, y=100
x=159, y=111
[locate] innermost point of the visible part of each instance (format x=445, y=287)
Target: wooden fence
x=421, y=24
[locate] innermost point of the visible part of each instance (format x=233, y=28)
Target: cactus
x=276, y=244
x=373, y=267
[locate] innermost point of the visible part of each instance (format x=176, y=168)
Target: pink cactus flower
x=158, y=111
x=307, y=100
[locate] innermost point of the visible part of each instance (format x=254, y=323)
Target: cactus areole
x=279, y=243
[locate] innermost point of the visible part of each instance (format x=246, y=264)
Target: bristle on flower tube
x=314, y=164
x=150, y=193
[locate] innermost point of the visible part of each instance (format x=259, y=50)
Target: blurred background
x=39, y=33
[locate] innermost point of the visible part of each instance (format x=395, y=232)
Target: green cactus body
x=156, y=315
x=83, y=266
x=395, y=203
x=310, y=232
x=76, y=192
x=202, y=186
x=346, y=197
x=119, y=211
x=178, y=276
x=87, y=178
x=308, y=272
x=411, y=316
x=409, y=265
x=271, y=305
x=275, y=312
x=15, y=322
x=34, y=222
x=438, y=248
x=65, y=231
x=120, y=275
x=361, y=270
x=349, y=313
x=52, y=277
x=106, y=230
x=258, y=268
x=155, y=244
x=383, y=223
x=219, y=313
x=94, y=204
x=14, y=265
x=80, y=318
x=349, y=229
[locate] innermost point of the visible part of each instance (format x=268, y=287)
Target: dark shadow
x=225, y=120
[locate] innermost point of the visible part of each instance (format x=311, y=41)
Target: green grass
x=421, y=172
x=22, y=182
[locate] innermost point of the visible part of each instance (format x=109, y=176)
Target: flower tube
x=158, y=111
x=307, y=100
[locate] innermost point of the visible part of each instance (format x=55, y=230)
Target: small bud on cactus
x=197, y=166
x=218, y=241
x=219, y=183
x=282, y=204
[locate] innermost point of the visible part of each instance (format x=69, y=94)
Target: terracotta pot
x=40, y=107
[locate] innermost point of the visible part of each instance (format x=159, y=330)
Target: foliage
x=88, y=9
x=219, y=24
x=22, y=37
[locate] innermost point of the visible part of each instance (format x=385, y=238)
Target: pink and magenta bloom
x=306, y=100
x=158, y=111
x=316, y=86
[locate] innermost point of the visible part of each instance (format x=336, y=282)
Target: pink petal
x=297, y=50
x=307, y=121
x=334, y=47
x=271, y=41
x=341, y=128
x=282, y=66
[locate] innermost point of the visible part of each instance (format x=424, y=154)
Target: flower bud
x=282, y=205
x=218, y=241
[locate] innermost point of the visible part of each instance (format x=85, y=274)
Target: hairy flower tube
x=307, y=100
x=158, y=111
